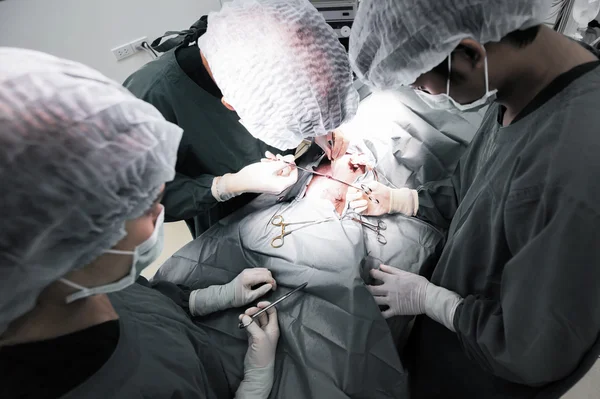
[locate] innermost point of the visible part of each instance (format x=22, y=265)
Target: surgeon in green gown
x=87, y=163
x=511, y=308
x=274, y=64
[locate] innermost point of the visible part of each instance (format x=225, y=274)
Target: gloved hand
x=408, y=294
x=402, y=291
x=261, y=177
x=335, y=144
x=402, y=200
x=361, y=160
x=237, y=293
x=259, y=363
x=269, y=156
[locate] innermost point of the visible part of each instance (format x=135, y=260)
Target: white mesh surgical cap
x=282, y=68
x=79, y=156
x=393, y=42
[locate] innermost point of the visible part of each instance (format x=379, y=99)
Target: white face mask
x=143, y=255
x=446, y=103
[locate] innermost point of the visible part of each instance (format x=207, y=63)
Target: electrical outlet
x=129, y=49
x=123, y=51
x=137, y=44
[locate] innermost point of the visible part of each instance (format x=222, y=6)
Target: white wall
x=86, y=30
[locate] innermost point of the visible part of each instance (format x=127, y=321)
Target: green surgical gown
x=160, y=354
x=523, y=211
x=214, y=142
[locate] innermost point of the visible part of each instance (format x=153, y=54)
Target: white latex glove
x=402, y=291
x=335, y=144
x=237, y=293
x=402, y=200
x=259, y=363
x=361, y=160
x=269, y=156
x=261, y=177
x=408, y=294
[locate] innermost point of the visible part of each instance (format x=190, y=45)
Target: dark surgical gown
x=214, y=141
x=153, y=350
x=523, y=251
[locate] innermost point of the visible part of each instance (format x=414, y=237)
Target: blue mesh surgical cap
x=79, y=156
x=282, y=68
x=393, y=42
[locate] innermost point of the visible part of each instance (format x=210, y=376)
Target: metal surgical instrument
x=278, y=221
x=364, y=188
x=378, y=228
x=292, y=292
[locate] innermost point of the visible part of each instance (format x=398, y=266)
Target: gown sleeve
x=548, y=315
x=438, y=201
x=185, y=197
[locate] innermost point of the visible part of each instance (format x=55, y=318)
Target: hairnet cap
x=79, y=156
x=282, y=68
x=393, y=42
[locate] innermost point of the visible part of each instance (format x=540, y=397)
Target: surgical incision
x=323, y=188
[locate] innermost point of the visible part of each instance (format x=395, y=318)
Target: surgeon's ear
x=473, y=52
x=226, y=104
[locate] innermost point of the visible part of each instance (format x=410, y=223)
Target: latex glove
x=259, y=363
x=361, y=160
x=237, y=293
x=335, y=144
x=408, y=294
x=261, y=177
x=402, y=200
x=269, y=156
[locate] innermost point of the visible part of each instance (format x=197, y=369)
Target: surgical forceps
x=378, y=228
x=278, y=221
x=364, y=188
x=289, y=294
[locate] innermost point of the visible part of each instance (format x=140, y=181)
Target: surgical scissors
x=278, y=221
x=289, y=294
x=363, y=187
x=378, y=228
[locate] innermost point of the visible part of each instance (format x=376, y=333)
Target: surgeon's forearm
x=257, y=383
x=404, y=201
x=212, y=299
x=226, y=187
x=187, y=197
x=441, y=305
x=438, y=202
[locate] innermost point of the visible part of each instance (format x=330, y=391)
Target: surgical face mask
x=143, y=255
x=446, y=103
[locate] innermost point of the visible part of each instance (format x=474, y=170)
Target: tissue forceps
x=289, y=294
x=278, y=221
x=378, y=228
x=364, y=188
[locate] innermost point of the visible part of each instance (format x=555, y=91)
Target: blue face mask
x=444, y=102
x=143, y=255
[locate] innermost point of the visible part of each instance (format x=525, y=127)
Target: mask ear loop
x=72, y=284
x=82, y=288
x=487, y=76
x=117, y=252
x=449, y=72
